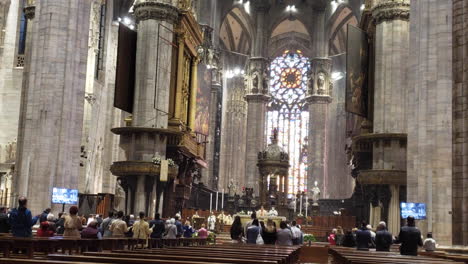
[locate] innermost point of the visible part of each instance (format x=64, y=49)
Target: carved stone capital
x=150, y=9
x=391, y=10
x=260, y=5
x=29, y=12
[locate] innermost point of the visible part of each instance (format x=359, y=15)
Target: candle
x=211, y=202
x=222, y=200
x=295, y=204
x=307, y=205
x=216, y=201
x=300, y=205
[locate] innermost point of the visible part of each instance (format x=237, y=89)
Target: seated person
x=44, y=230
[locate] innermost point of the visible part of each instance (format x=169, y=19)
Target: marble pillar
x=257, y=100
x=51, y=122
x=216, y=87
x=156, y=21
x=390, y=113
x=318, y=100
x=459, y=110
x=430, y=133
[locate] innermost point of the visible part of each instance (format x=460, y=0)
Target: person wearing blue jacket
x=21, y=220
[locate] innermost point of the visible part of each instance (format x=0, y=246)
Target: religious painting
x=357, y=71
x=202, y=118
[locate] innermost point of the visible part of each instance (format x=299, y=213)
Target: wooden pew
x=207, y=254
x=352, y=256
x=184, y=257
x=42, y=261
x=93, y=259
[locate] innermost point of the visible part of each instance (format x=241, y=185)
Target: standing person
x=253, y=216
x=383, y=238
x=73, y=223
x=20, y=219
x=332, y=237
x=106, y=223
x=349, y=239
x=43, y=217
x=237, y=232
x=363, y=238
x=178, y=224
x=4, y=225
x=252, y=232
x=339, y=236
x=51, y=222
x=158, y=226
x=59, y=224
x=202, y=232
x=297, y=233
x=284, y=236
x=141, y=228
x=188, y=230
x=171, y=229
x=269, y=233
x=429, y=243
x=410, y=238
x=118, y=227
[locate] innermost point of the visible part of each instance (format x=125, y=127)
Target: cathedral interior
x=313, y=108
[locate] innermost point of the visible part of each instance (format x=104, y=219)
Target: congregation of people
x=259, y=232
x=365, y=238
x=19, y=222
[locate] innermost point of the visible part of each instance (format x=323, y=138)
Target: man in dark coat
x=363, y=237
x=158, y=226
x=4, y=225
x=410, y=238
x=21, y=220
x=383, y=238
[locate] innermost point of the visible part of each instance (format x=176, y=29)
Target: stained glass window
x=286, y=111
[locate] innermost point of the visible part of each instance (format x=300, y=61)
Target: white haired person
x=171, y=229
x=383, y=238
x=51, y=222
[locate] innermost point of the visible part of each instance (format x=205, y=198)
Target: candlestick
x=295, y=204
x=216, y=201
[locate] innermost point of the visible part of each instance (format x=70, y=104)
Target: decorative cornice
x=29, y=12
x=257, y=98
x=388, y=11
x=151, y=9
x=319, y=99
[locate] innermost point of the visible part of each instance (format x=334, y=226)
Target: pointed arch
x=236, y=31
x=337, y=28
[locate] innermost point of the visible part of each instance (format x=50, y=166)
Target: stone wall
x=429, y=104
x=460, y=126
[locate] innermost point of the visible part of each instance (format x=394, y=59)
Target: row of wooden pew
x=222, y=254
x=78, y=245
x=342, y=255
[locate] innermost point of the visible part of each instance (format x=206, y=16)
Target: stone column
x=460, y=104
x=216, y=87
x=156, y=20
x=51, y=122
x=390, y=126
x=257, y=97
x=431, y=97
x=318, y=100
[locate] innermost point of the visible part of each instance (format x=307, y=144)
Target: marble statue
x=232, y=188
x=119, y=197
x=321, y=83
x=315, y=194
x=272, y=212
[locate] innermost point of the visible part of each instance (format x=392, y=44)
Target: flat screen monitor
x=417, y=210
x=64, y=196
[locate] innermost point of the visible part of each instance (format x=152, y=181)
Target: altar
x=276, y=219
